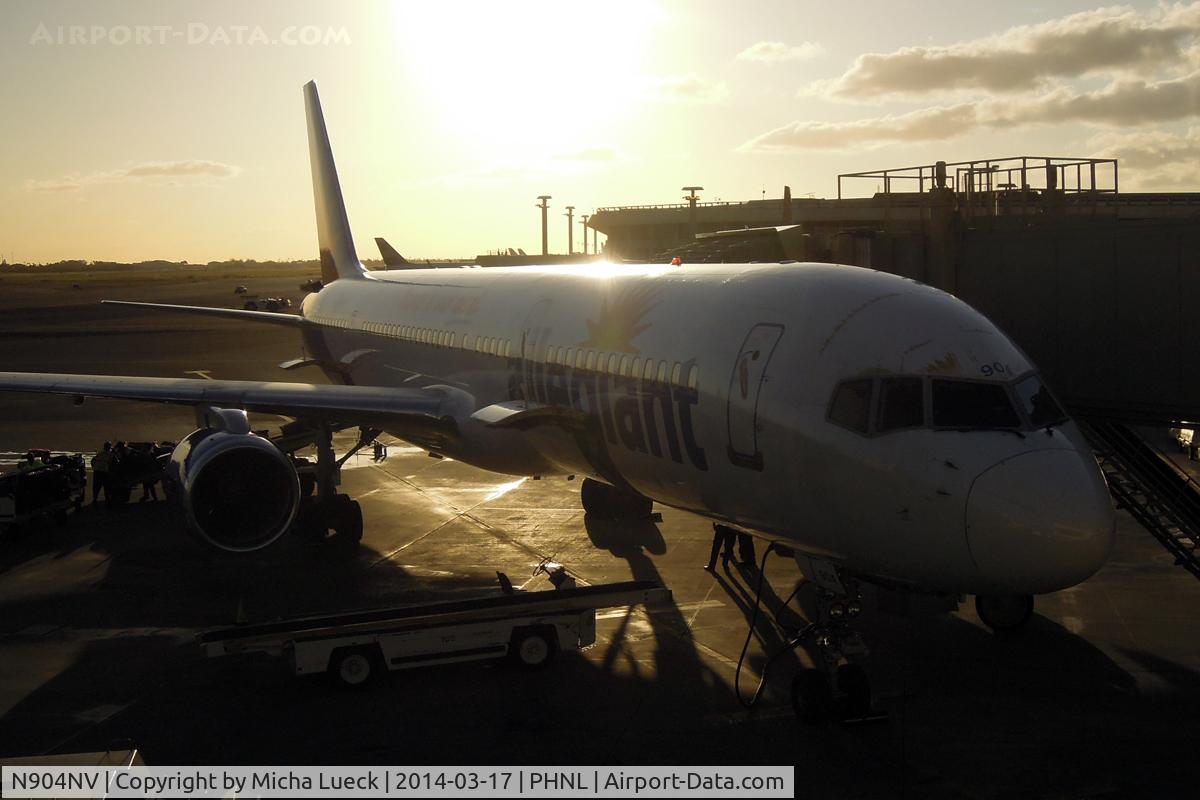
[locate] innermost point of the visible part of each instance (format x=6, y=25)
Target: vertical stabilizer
x=391, y=258
x=338, y=259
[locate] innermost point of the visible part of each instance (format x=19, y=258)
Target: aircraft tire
x=1004, y=612
x=349, y=521
x=856, y=691
x=812, y=700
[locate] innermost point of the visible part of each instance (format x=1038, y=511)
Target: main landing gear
x=1004, y=612
x=330, y=516
x=607, y=502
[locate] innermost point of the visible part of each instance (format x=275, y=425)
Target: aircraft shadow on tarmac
x=129, y=667
x=1040, y=712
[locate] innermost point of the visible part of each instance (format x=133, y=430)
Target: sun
x=519, y=78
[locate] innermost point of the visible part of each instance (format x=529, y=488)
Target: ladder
x=1163, y=498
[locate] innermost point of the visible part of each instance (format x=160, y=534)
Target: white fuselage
x=710, y=388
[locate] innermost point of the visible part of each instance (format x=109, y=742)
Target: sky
x=175, y=130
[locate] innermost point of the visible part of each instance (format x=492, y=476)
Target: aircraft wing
x=208, y=311
x=415, y=411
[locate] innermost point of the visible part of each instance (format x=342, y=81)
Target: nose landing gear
x=838, y=686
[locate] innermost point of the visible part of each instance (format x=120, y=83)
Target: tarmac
x=1099, y=696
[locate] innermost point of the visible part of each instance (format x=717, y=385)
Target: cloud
x=774, y=52
x=192, y=170
x=685, y=89
x=1152, y=159
x=152, y=169
x=1124, y=102
x=1105, y=40
x=927, y=124
x=1120, y=104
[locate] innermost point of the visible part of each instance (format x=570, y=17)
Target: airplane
x=880, y=428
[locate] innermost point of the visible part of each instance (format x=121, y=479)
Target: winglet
x=338, y=259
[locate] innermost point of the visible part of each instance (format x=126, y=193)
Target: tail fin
x=338, y=259
x=390, y=257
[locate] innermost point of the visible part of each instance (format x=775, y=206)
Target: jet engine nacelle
x=238, y=492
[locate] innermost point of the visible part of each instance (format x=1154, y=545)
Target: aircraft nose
x=1039, y=522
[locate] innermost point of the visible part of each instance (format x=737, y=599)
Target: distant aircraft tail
x=338, y=259
x=390, y=257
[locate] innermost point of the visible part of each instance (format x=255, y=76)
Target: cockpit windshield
x=972, y=405
x=1043, y=410
x=881, y=405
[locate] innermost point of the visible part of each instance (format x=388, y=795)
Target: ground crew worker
x=721, y=536
x=101, y=463
x=147, y=464
x=746, y=549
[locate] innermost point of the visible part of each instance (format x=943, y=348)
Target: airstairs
x=1163, y=498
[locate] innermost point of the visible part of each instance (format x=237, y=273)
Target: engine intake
x=237, y=491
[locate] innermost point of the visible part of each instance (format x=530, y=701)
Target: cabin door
x=745, y=389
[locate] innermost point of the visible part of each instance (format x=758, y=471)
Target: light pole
x=692, y=198
x=570, y=230
x=543, y=206
x=583, y=218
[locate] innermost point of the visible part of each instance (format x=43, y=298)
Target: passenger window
x=693, y=377
x=507, y=347
x=901, y=404
x=580, y=357
x=648, y=375
x=676, y=373
x=636, y=369
x=851, y=405
x=591, y=360
x=567, y=357
x=624, y=366
x=662, y=372
x=612, y=363
x=972, y=405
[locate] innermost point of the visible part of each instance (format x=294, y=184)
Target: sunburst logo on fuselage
x=620, y=320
